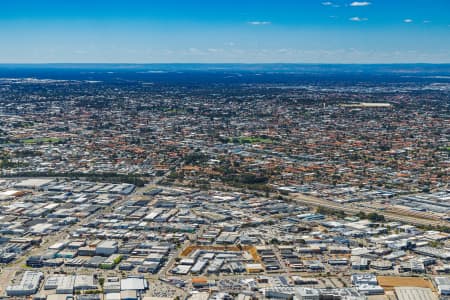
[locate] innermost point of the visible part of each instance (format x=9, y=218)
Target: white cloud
x=259, y=23
x=193, y=50
x=426, y=21
x=214, y=50
x=358, y=19
x=408, y=20
x=329, y=3
x=359, y=4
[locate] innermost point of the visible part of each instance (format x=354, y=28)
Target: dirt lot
x=389, y=282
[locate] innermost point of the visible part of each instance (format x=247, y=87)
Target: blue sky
x=245, y=31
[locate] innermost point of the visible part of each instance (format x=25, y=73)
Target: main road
x=389, y=215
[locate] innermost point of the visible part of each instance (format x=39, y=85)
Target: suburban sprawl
x=159, y=185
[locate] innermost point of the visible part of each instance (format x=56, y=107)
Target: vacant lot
x=389, y=282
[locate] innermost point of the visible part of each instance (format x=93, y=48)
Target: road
x=392, y=214
x=397, y=216
x=8, y=272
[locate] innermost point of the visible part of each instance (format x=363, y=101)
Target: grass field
x=41, y=140
x=251, y=140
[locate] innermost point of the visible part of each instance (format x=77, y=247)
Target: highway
x=353, y=209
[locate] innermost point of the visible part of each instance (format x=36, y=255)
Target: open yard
x=389, y=282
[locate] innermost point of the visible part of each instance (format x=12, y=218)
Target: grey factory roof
x=414, y=293
x=133, y=283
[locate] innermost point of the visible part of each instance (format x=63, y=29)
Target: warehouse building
x=106, y=248
x=414, y=293
x=84, y=282
x=65, y=285
x=28, y=285
x=133, y=283
x=443, y=285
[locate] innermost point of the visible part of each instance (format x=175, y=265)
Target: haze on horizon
x=289, y=31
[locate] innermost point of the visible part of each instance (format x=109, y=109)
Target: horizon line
x=223, y=63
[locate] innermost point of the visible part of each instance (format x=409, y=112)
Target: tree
x=101, y=281
x=361, y=215
x=374, y=217
x=274, y=241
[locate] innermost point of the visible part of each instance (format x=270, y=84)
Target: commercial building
x=134, y=283
x=307, y=294
x=443, y=285
x=27, y=286
x=414, y=293
x=65, y=285
x=84, y=282
x=106, y=248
